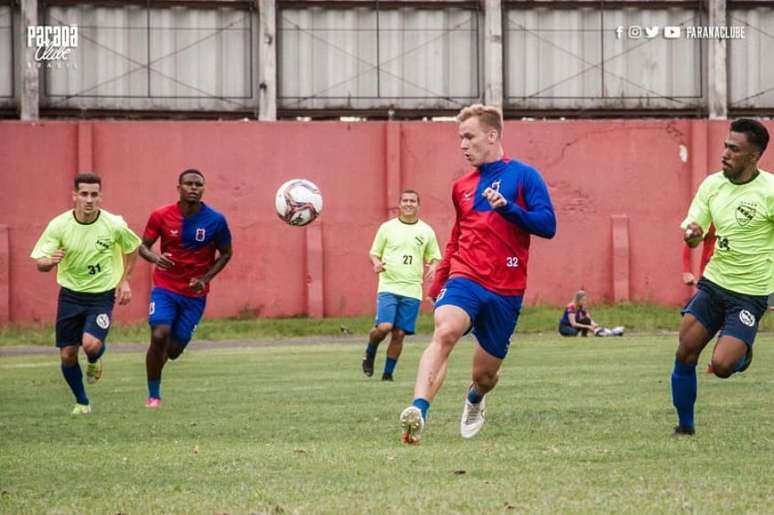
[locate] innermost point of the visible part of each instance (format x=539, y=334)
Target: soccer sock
x=684, y=392
x=389, y=365
x=473, y=396
x=423, y=405
x=74, y=378
x=371, y=349
x=154, y=388
x=100, y=352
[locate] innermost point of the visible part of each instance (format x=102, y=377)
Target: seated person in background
x=577, y=319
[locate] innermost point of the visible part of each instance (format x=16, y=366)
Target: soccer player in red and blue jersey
x=195, y=246
x=481, y=280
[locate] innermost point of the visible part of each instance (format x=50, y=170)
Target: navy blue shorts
x=494, y=316
x=180, y=312
x=398, y=310
x=78, y=313
x=733, y=314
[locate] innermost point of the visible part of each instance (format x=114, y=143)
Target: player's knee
x=91, y=344
x=384, y=327
x=69, y=355
x=160, y=335
x=174, y=351
x=397, y=336
x=723, y=370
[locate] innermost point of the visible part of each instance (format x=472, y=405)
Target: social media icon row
x=639, y=32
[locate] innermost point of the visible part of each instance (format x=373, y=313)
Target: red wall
x=594, y=170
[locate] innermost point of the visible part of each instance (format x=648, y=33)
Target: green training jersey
x=93, y=260
x=404, y=249
x=743, y=214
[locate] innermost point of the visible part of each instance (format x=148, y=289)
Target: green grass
x=575, y=426
x=534, y=319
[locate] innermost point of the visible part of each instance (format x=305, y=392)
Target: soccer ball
x=298, y=202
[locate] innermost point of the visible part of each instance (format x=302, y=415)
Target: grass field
x=534, y=319
x=579, y=425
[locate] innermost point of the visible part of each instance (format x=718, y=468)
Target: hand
x=56, y=257
x=693, y=234
x=378, y=267
x=123, y=293
x=163, y=261
x=198, y=285
x=495, y=198
x=689, y=279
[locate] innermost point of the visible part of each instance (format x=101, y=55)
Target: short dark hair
x=87, y=178
x=409, y=191
x=186, y=172
x=754, y=130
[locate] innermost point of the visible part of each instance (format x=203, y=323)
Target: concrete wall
x=620, y=189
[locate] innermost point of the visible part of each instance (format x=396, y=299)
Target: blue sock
x=389, y=365
x=423, y=405
x=74, y=378
x=684, y=392
x=371, y=349
x=154, y=388
x=93, y=359
x=473, y=396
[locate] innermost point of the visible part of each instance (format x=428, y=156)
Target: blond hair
x=489, y=116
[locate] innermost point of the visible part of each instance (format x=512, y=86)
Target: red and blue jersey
x=572, y=309
x=491, y=246
x=191, y=242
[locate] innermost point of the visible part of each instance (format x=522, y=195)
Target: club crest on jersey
x=103, y=244
x=745, y=212
x=200, y=234
x=173, y=233
x=420, y=240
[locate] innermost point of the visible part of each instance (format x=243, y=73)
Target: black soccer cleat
x=368, y=365
x=386, y=377
x=687, y=431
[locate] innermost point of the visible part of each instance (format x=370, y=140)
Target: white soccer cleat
x=472, y=418
x=81, y=409
x=412, y=423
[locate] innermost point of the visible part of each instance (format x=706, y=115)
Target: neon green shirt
x=404, y=249
x=743, y=214
x=93, y=261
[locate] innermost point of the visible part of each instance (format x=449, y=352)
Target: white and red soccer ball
x=298, y=202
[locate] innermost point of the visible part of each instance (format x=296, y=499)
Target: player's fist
x=495, y=198
x=693, y=234
x=378, y=267
x=689, y=279
x=197, y=285
x=57, y=256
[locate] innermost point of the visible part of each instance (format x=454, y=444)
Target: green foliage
x=578, y=425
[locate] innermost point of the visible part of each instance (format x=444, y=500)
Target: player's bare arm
x=224, y=256
x=377, y=263
x=162, y=261
x=45, y=264
x=124, y=290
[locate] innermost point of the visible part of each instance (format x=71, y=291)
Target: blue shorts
x=494, y=316
x=180, y=312
x=78, y=313
x=733, y=314
x=398, y=310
